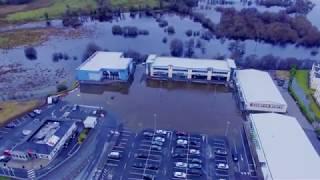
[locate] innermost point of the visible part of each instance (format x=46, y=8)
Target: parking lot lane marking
x=3, y=132
x=244, y=148
x=114, y=165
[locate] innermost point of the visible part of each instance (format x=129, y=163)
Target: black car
x=153, y=166
x=156, y=147
x=195, y=172
x=10, y=125
x=148, y=177
x=138, y=165
x=177, y=155
x=318, y=137
x=181, y=133
x=195, y=143
x=235, y=156
x=196, y=160
x=148, y=134
x=141, y=155
x=32, y=114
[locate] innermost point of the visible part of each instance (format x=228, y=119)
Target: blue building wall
x=82, y=75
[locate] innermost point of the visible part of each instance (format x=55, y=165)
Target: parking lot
x=164, y=154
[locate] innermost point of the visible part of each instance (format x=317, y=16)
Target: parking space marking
x=111, y=164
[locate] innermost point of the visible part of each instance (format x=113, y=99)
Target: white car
x=159, y=139
x=194, y=151
x=160, y=131
x=182, y=142
x=222, y=166
x=181, y=164
x=37, y=111
x=180, y=174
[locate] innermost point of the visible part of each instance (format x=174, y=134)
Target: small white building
x=314, y=76
x=283, y=149
x=90, y=122
x=184, y=69
x=258, y=92
x=102, y=66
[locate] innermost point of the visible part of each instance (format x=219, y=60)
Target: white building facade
x=314, y=76
x=258, y=92
x=282, y=147
x=184, y=69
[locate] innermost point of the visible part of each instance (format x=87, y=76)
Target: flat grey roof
x=257, y=86
x=189, y=63
x=286, y=148
x=105, y=60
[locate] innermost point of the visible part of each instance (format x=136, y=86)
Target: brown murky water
x=168, y=105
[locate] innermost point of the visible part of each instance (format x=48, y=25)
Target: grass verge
x=302, y=77
x=83, y=135
x=12, y=109
x=134, y=3
x=55, y=10
x=24, y=37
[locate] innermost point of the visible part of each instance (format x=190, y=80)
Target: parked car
x=114, y=155
x=156, y=147
x=182, y=142
x=181, y=133
x=163, y=132
x=4, y=158
x=141, y=155
x=196, y=160
x=10, y=125
x=222, y=152
x=195, y=143
x=138, y=165
x=222, y=166
x=180, y=175
x=195, y=172
x=31, y=114
x=235, y=156
x=148, y=177
x=148, y=134
x=75, y=107
x=195, y=166
x=160, y=139
x=153, y=166
x=177, y=155
x=37, y=111
x=318, y=137
x=194, y=151
x=181, y=164
x=158, y=143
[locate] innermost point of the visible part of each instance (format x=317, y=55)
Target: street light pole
x=154, y=121
x=227, y=128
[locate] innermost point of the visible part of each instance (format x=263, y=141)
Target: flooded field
x=41, y=76
x=209, y=109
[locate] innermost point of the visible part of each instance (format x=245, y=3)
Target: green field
x=55, y=10
x=134, y=3
x=302, y=77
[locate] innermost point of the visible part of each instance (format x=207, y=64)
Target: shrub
x=189, y=33
x=30, y=53
x=130, y=31
x=61, y=87
x=65, y=56
x=55, y=57
x=171, y=30
x=91, y=49
x=176, y=47
x=116, y=30
x=163, y=23
x=164, y=40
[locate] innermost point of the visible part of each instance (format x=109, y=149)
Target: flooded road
x=209, y=109
x=100, y=33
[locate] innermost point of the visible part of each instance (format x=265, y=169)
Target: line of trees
x=275, y=28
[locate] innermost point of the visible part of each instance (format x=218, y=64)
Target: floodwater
x=40, y=77
x=166, y=105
